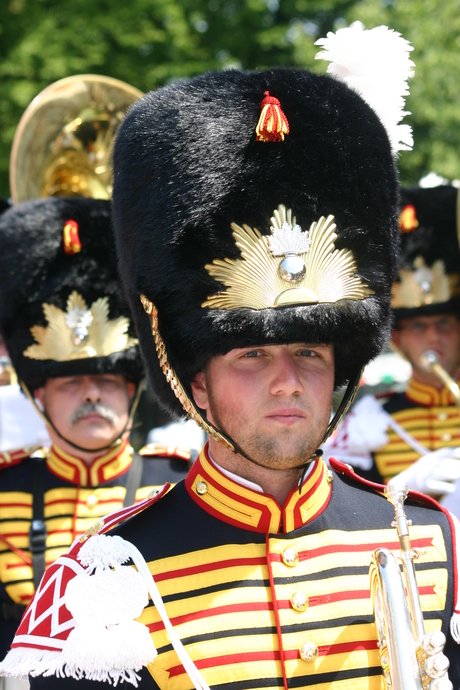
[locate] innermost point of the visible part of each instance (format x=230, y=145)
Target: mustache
x=106, y=412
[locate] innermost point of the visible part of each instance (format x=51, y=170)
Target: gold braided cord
x=174, y=381
x=255, y=282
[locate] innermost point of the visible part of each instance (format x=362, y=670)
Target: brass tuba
x=63, y=143
x=430, y=361
x=411, y=659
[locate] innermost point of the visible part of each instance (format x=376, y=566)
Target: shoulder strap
x=37, y=533
x=134, y=480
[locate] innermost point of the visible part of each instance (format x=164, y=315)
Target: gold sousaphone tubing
x=63, y=143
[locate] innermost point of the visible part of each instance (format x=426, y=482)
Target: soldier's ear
x=199, y=391
x=39, y=394
x=396, y=338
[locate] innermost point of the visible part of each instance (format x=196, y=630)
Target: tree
x=148, y=43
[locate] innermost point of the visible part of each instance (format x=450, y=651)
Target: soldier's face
x=440, y=333
x=90, y=411
x=273, y=401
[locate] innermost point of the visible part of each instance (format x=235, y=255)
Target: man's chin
x=93, y=442
x=278, y=457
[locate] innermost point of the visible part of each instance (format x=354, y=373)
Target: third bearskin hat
x=428, y=282
x=62, y=307
x=259, y=208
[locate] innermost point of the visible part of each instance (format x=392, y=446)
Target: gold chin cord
x=429, y=360
x=411, y=658
x=189, y=407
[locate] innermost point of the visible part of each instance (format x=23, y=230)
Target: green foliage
x=148, y=43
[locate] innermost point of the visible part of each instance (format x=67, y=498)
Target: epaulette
x=90, y=584
x=158, y=449
x=119, y=516
x=14, y=457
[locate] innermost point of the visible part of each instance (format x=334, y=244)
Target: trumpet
x=430, y=362
x=411, y=658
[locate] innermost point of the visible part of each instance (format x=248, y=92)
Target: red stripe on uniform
x=351, y=548
x=225, y=660
x=209, y=567
x=218, y=611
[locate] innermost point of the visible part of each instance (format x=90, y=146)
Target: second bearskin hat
x=428, y=282
x=259, y=208
x=62, y=306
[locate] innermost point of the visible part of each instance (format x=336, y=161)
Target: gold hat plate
x=288, y=267
x=79, y=332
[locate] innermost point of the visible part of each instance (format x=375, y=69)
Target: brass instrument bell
x=63, y=143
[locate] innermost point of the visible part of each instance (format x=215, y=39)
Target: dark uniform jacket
x=428, y=415
x=247, y=584
x=69, y=497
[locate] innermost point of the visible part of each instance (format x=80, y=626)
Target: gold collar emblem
x=79, y=332
x=288, y=267
x=421, y=286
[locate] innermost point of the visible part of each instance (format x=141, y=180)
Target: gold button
x=299, y=601
x=201, y=488
x=308, y=651
x=290, y=557
x=91, y=500
x=442, y=416
x=329, y=477
x=446, y=437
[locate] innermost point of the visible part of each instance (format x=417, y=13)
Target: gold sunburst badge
x=424, y=285
x=79, y=332
x=288, y=267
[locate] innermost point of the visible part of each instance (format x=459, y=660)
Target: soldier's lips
x=93, y=417
x=286, y=416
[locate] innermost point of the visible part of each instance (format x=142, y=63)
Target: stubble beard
x=286, y=450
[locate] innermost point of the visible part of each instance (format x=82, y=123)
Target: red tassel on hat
x=70, y=239
x=408, y=219
x=273, y=124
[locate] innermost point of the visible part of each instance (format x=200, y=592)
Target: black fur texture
x=187, y=164
x=435, y=238
x=34, y=269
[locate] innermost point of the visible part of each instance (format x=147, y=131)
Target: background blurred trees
x=151, y=42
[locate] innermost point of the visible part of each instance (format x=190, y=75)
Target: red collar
x=428, y=396
x=238, y=505
x=106, y=467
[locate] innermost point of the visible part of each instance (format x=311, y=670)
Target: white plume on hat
x=375, y=63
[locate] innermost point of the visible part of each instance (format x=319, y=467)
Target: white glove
x=434, y=473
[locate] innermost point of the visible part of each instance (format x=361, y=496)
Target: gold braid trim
x=174, y=382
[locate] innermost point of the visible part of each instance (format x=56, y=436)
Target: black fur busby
x=429, y=235
x=36, y=270
x=187, y=163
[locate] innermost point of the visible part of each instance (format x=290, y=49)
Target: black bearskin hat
x=43, y=264
x=188, y=163
x=429, y=278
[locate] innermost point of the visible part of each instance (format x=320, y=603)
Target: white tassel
x=110, y=598
x=375, y=64
x=21, y=661
x=107, y=644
